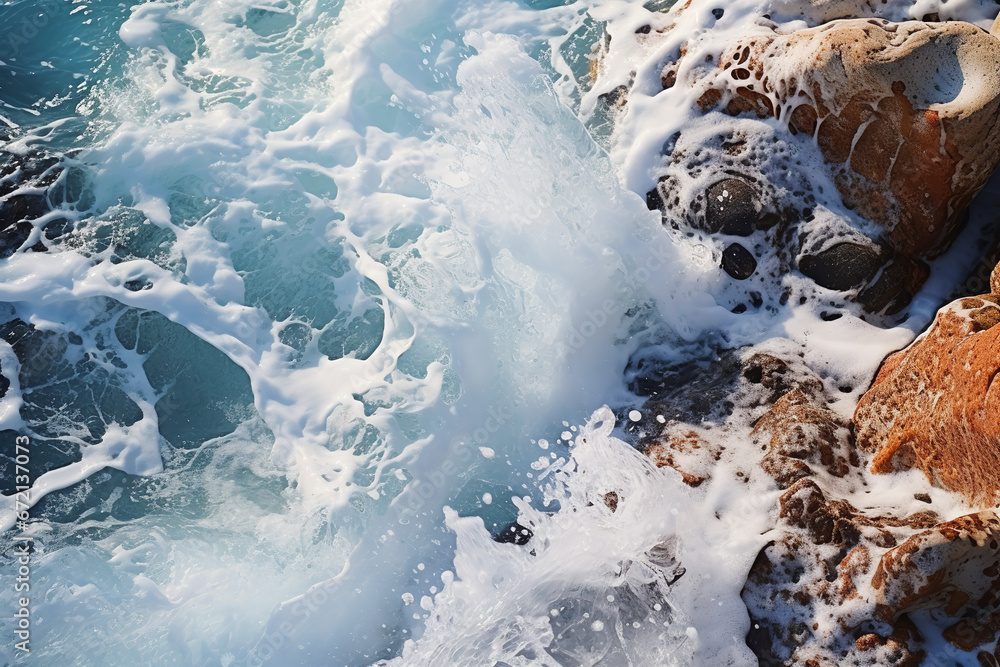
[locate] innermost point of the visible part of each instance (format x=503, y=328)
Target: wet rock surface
x=837, y=577
x=954, y=566
x=731, y=208
x=908, y=155
x=935, y=406
x=738, y=262
x=25, y=182
x=843, y=266
x=904, y=116
x=897, y=125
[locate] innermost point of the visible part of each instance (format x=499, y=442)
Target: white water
x=386, y=268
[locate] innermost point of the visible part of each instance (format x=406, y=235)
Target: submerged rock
x=935, y=406
x=24, y=181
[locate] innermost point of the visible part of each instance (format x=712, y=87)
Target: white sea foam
x=391, y=221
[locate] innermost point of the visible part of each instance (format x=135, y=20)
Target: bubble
x=635, y=415
x=487, y=498
x=597, y=626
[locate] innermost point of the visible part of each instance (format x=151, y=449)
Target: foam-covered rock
x=801, y=438
x=905, y=114
x=954, y=566
x=935, y=406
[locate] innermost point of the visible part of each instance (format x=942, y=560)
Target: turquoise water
x=304, y=302
x=285, y=280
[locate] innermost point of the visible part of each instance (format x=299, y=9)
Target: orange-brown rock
x=906, y=114
x=935, y=406
x=954, y=566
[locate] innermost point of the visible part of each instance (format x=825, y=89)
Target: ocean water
x=314, y=299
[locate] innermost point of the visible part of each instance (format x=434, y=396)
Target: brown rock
x=935, y=406
x=805, y=506
x=680, y=447
x=904, y=113
x=799, y=435
x=954, y=566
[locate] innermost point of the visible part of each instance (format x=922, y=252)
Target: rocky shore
x=903, y=118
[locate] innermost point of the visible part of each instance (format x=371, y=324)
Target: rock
x=935, y=406
x=895, y=286
x=778, y=376
x=675, y=428
x=801, y=437
x=682, y=448
x=730, y=208
x=954, y=566
x=905, y=114
x=995, y=280
x=695, y=391
x=514, y=533
x=707, y=390
x=843, y=266
x=824, y=11
x=738, y=262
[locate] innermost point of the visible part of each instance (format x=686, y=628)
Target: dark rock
x=738, y=262
x=695, y=390
x=654, y=201
x=895, y=286
x=730, y=208
x=514, y=533
x=841, y=267
x=775, y=375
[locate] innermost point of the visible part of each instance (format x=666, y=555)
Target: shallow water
x=323, y=294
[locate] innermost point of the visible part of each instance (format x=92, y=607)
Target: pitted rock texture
x=906, y=114
x=675, y=426
x=808, y=592
x=954, y=566
x=935, y=406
